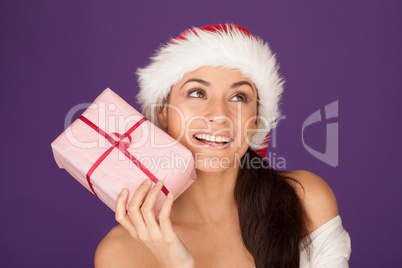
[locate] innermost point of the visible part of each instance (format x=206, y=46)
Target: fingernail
x=124, y=192
x=146, y=182
x=159, y=183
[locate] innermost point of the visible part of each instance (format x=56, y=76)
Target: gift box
x=112, y=146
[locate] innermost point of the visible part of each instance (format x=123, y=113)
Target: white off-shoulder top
x=330, y=248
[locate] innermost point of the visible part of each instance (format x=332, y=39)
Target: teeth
x=212, y=138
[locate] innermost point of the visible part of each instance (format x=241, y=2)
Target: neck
x=209, y=200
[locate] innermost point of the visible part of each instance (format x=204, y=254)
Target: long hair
x=272, y=218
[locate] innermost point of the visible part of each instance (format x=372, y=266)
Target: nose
x=219, y=119
x=218, y=113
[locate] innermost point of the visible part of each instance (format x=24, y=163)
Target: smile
x=212, y=139
x=218, y=141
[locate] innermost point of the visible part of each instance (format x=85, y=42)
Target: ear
x=162, y=116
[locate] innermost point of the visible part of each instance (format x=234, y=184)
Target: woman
x=219, y=86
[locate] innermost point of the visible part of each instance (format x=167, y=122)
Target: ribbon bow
x=122, y=144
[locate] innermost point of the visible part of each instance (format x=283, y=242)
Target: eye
x=196, y=93
x=241, y=97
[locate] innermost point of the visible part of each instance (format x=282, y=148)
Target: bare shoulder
x=318, y=198
x=119, y=249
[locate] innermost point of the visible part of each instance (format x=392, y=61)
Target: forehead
x=216, y=75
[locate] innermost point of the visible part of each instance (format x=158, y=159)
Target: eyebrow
x=207, y=84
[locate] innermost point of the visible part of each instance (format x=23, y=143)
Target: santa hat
x=222, y=45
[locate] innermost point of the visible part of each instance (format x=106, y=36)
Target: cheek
x=178, y=120
x=249, y=125
x=186, y=118
x=175, y=124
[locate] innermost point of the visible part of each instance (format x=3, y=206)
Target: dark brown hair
x=272, y=218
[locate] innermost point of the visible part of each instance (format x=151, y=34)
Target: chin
x=209, y=169
x=215, y=162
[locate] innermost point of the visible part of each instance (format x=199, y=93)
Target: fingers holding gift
x=148, y=212
x=140, y=219
x=164, y=219
x=134, y=209
x=121, y=213
x=142, y=213
x=158, y=236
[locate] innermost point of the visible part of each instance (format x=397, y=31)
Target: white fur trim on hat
x=230, y=48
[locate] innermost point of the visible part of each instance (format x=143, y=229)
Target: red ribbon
x=122, y=146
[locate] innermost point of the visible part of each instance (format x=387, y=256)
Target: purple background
x=57, y=54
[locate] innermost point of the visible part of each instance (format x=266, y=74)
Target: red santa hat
x=220, y=45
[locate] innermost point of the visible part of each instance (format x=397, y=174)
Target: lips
x=213, y=140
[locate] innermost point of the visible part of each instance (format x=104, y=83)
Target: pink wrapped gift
x=111, y=146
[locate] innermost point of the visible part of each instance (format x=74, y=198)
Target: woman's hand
x=158, y=237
